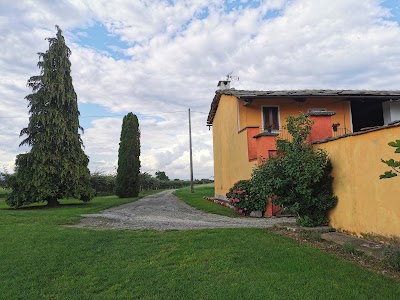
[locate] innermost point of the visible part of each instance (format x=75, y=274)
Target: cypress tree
x=56, y=166
x=127, y=182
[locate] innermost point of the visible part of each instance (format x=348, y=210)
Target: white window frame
x=351, y=117
x=262, y=117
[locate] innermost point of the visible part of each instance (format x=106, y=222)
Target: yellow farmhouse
x=245, y=123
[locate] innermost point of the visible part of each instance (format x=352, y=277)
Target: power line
x=152, y=114
x=199, y=112
x=112, y=116
x=13, y=117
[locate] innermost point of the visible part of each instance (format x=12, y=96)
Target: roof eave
x=300, y=95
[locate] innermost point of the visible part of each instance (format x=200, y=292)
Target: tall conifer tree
x=56, y=166
x=127, y=182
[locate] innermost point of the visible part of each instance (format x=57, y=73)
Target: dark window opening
x=272, y=153
x=366, y=114
x=271, y=118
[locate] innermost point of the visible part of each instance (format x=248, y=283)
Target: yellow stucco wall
x=251, y=115
x=230, y=147
x=367, y=205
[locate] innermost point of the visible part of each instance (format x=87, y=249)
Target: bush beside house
x=298, y=178
x=244, y=199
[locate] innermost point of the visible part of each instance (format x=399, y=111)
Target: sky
x=158, y=58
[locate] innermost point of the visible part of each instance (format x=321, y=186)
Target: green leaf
x=395, y=144
x=388, y=174
x=391, y=163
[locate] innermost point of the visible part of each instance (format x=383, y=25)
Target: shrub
x=312, y=235
x=147, y=183
x=4, y=192
x=392, y=257
x=349, y=248
x=244, y=199
x=102, y=183
x=299, y=177
x=5, y=179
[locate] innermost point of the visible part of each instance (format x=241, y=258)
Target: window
x=270, y=117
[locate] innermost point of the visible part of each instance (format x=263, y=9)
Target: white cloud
x=178, y=57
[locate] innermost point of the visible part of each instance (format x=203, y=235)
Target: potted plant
x=269, y=127
x=335, y=126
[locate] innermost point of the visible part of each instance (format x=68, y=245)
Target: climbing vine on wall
x=395, y=165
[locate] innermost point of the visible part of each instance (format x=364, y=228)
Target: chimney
x=224, y=84
x=322, y=127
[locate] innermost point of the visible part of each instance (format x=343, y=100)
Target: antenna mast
x=229, y=77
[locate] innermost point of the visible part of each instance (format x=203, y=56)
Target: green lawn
x=42, y=260
x=196, y=200
x=67, y=213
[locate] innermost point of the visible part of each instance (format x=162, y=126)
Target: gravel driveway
x=164, y=211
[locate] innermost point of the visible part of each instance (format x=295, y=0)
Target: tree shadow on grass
x=44, y=206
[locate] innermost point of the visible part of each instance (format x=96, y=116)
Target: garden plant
x=299, y=177
x=245, y=199
x=395, y=165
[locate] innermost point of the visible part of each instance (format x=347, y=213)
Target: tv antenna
x=230, y=77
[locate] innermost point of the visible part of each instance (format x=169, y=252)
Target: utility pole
x=191, y=158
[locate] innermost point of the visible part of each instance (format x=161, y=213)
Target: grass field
x=196, y=200
x=40, y=259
